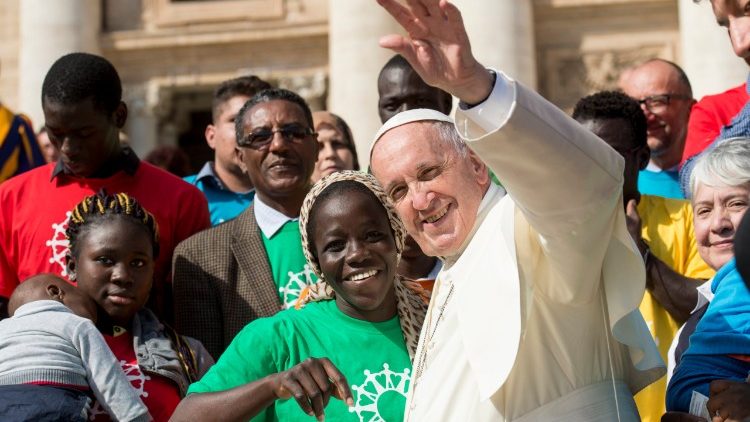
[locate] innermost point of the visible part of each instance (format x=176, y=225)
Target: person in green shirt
x=352, y=336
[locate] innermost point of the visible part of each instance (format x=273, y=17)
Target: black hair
x=347, y=132
x=270, y=95
x=246, y=86
x=76, y=77
x=396, y=62
x=101, y=207
x=399, y=62
x=343, y=187
x=613, y=105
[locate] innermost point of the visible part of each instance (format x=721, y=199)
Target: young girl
x=113, y=245
x=355, y=337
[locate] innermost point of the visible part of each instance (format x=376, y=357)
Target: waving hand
x=438, y=48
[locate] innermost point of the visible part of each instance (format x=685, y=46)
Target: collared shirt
x=223, y=204
x=126, y=161
x=269, y=220
x=208, y=175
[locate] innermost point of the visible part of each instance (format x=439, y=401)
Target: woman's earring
x=70, y=270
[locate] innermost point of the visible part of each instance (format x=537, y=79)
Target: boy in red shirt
x=84, y=112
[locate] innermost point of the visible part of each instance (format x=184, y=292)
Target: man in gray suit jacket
x=253, y=266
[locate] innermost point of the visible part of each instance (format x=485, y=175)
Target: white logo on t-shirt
x=297, y=282
x=369, y=392
x=59, y=244
x=137, y=380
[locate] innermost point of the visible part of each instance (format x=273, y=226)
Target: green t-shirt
x=288, y=265
x=372, y=357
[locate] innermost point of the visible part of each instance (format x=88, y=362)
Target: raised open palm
x=437, y=47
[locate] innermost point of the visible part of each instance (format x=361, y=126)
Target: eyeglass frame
x=644, y=102
x=285, y=135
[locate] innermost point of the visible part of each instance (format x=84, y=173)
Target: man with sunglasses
x=666, y=98
x=252, y=266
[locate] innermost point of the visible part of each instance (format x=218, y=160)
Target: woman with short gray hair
x=720, y=346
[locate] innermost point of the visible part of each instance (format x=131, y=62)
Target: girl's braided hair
x=101, y=207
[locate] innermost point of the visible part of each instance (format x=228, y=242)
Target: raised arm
x=548, y=162
x=565, y=180
x=438, y=48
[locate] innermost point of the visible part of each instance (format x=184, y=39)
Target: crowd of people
x=511, y=262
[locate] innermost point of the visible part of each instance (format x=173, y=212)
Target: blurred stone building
x=171, y=53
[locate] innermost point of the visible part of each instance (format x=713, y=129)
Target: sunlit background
x=171, y=53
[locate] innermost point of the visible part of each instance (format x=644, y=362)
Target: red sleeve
x=193, y=216
x=8, y=273
x=703, y=127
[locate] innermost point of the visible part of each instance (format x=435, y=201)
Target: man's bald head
x=666, y=97
x=400, y=88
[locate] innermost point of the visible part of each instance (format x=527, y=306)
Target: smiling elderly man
x=535, y=314
x=252, y=266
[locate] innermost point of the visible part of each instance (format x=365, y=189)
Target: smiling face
x=221, y=137
x=666, y=125
x=436, y=191
x=335, y=148
x=115, y=266
x=283, y=168
x=356, y=251
x=86, y=136
x=717, y=214
x=734, y=15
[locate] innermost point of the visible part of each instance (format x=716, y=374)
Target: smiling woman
x=361, y=317
x=337, y=151
x=720, y=346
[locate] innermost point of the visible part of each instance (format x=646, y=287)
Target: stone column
x=355, y=59
x=502, y=35
x=48, y=30
x=707, y=55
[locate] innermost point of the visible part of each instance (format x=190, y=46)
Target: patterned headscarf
x=410, y=305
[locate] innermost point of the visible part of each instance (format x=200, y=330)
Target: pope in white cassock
x=535, y=313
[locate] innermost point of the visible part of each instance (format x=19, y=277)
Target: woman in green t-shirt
x=353, y=335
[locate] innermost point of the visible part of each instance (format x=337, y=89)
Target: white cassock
x=541, y=321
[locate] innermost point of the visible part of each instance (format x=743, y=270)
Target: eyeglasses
x=261, y=138
x=658, y=103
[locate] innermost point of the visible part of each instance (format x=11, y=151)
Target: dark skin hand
x=675, y=292
x=729, y=401
x=3, y=308
x=311, y=383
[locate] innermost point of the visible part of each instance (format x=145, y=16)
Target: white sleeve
x=565, y=180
